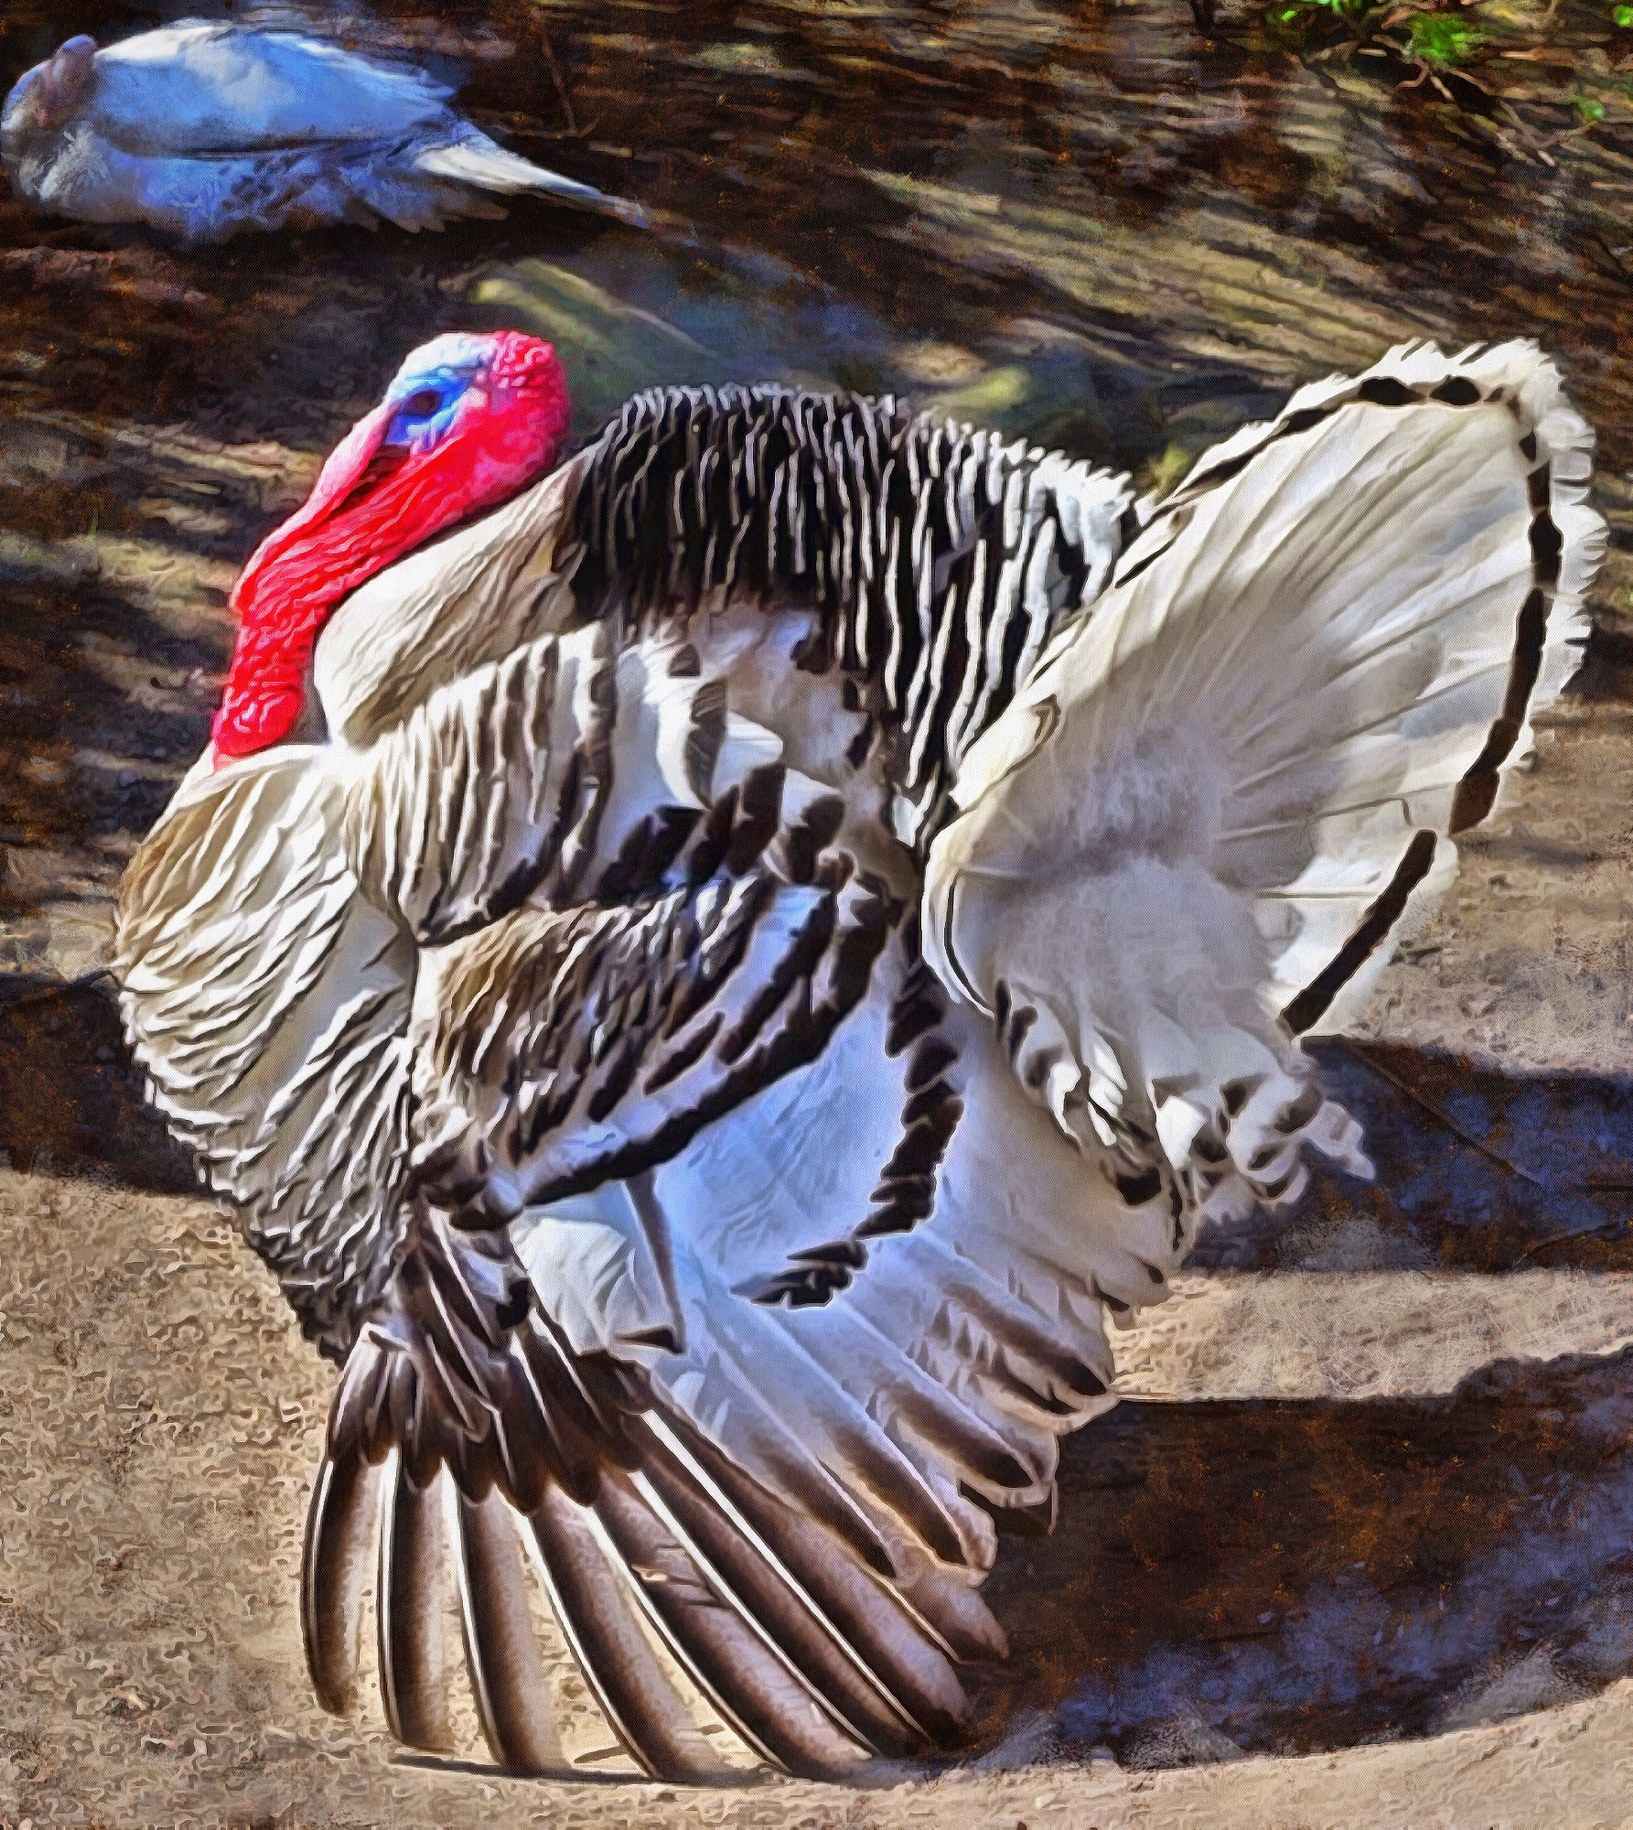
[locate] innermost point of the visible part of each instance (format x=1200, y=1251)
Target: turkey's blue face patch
x=429, y=404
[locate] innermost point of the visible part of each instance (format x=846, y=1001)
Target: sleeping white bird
x=712, y=970
x=205, y=130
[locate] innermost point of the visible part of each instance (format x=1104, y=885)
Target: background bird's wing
x=475, y=161
x=217, y=91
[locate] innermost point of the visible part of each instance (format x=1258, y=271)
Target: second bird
x=209, y=130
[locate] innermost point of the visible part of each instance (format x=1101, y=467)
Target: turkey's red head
x=468, y=421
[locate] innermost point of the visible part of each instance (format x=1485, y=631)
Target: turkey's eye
x=425, y=415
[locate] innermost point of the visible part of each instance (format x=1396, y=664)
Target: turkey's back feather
x=938, y=556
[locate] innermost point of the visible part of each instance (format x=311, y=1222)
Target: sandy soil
x=1358, y=1547
x=1428, y=1539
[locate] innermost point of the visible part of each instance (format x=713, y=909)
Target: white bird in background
x=205, y=130
x=534, y=957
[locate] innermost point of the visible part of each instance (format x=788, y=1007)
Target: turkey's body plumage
x=206, y=130
x=753, y=978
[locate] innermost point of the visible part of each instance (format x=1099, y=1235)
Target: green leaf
x=1622, y=15
x=1589, y=108
x=1444, y=38
x=1303, y=12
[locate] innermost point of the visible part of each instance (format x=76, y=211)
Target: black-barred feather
x=642, y=1022
x=939, y=556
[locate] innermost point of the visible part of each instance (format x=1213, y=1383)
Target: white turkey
x=204, y=130
x=534, y=958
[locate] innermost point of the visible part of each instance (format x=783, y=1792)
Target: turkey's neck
x=940, y=559
x=468, y=597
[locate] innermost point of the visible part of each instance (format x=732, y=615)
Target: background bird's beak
x=65, y=79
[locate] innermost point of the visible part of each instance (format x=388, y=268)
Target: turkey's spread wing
x=891, y=1276
x=467, y=1428
x=268, y=1004
x=828, y=1339
x=856, y=1277
x=632, y=915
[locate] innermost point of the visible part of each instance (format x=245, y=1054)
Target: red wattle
x=352, y=526
x=254, y=720
x=342, y=471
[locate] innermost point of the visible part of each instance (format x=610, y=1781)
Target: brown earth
x=1356, y=1548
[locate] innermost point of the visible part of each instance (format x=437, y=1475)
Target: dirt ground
x=1357, y=1549
x=1421, y=1543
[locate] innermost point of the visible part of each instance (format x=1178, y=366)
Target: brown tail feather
x=939, y=1608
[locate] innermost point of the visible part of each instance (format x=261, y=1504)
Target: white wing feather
x=206, y=88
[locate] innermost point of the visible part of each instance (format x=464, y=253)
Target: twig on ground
x=1429, y=1106
x=573, y=130
x=1571, y=1232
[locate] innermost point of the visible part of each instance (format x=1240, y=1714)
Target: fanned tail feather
x=1202, y=824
